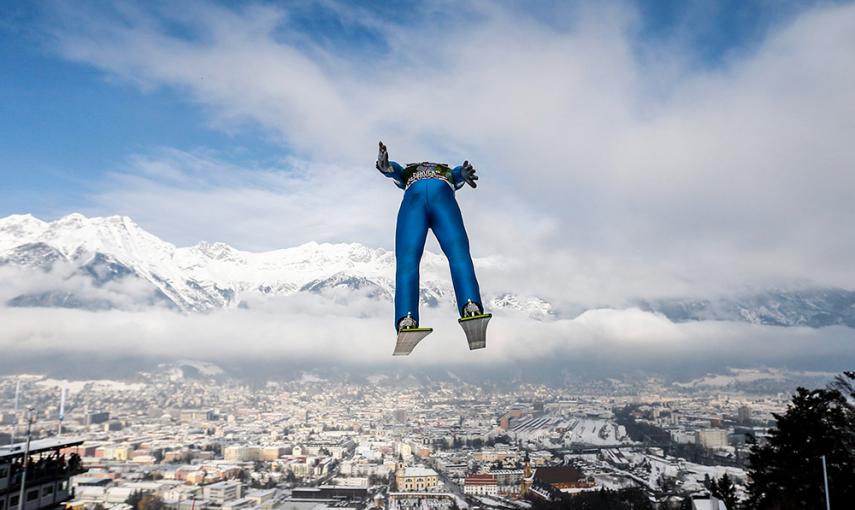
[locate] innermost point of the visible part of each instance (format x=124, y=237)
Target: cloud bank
x=598, y=340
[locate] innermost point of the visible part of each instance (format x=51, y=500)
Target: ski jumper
x=429, y=203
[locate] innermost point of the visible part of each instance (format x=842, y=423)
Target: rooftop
x=557, y=474
x=480, y=480
x=39, y=445
x=419, y=471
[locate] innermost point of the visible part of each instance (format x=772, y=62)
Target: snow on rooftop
x=419, y=471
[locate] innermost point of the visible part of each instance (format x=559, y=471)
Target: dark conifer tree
x=134, y=499
x=725, y=490
x=786, y=473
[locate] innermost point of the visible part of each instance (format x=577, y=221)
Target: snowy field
x=571, y=431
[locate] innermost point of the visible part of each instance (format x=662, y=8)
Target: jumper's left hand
x=383, y=159
x=468, y=173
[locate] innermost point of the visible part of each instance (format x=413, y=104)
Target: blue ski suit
x=429, y=203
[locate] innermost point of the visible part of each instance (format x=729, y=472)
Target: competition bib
x=418, y=171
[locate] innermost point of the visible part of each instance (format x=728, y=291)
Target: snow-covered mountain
x=103, y=263
x=811, y=307
x=112, y=262
x=756, y=380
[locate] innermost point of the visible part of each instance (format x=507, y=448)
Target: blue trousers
x=430, y=204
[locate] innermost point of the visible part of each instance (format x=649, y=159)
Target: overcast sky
x=625, y=149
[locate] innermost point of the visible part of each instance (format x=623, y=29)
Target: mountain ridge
x=107, y=251
x=111, y=262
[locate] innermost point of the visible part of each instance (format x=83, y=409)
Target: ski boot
x=474, y=324
x=409, y=335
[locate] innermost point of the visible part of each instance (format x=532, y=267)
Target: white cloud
x=188, y=198
x=66, y=283
x=610, y=172
x=301, y=327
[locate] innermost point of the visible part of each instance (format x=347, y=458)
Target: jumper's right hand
x=383, y=159
x=468, y=173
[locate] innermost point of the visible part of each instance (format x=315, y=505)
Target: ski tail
x=475, y=328
x=408, y=338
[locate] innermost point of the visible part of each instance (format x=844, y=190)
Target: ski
x=408, y=338
x=475, y=328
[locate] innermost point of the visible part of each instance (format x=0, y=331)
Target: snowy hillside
x=121, y=265
x=812, y=307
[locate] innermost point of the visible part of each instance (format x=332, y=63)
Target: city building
x=480, y=485
x=421, y=500
x=95, y=418
x=331, y=492
x=221, y=492
x=508, y=481
x=191, y=415
x=708, y=503
x=411, y=479
x=47, y=482
x=561, y=477
x=744, y=415
x=711, y=438
x=242, y=453
x=239, y=504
